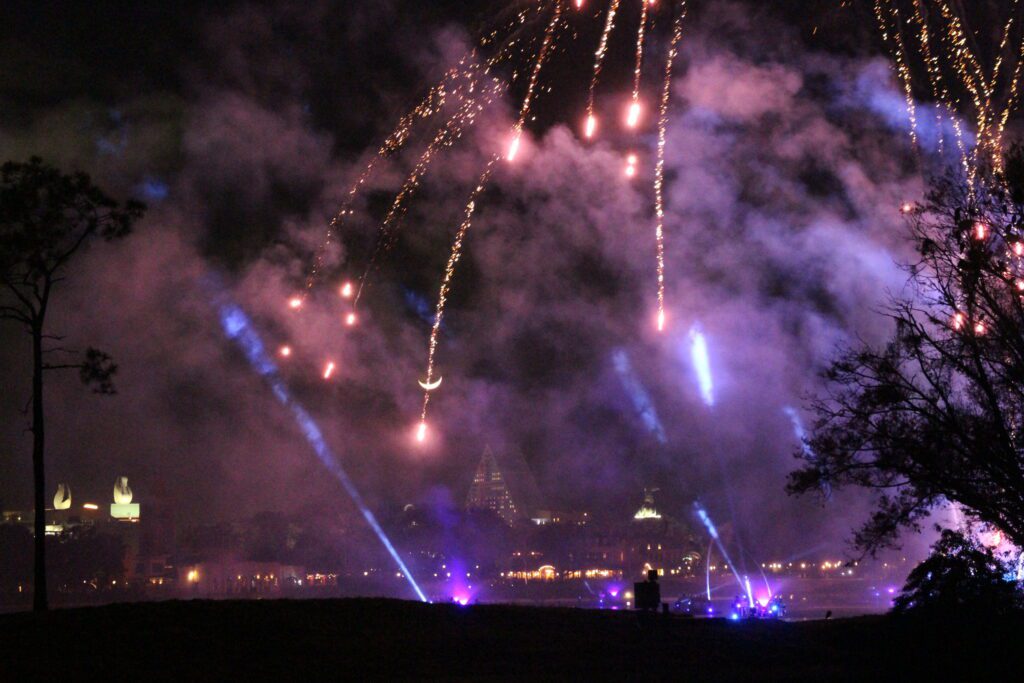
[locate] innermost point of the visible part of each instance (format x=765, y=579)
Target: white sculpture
x=62, y=499
x=122, y=492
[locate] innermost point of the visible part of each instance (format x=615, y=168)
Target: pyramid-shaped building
x=509, y=492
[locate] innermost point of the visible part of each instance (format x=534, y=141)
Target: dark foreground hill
x=374, y=639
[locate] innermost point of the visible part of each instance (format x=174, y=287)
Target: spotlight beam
x=702, y=365
x=713, y=532
x=642, y=401
x=239, y=329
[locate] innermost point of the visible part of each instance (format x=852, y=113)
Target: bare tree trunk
x=40, y=601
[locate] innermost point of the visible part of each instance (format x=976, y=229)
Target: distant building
x=647, y=509
x=507, y=489
x=123, y=508
x=237, y=579
x=650, y=540
x=575, y=546
x=489, y=490
x=59, y=518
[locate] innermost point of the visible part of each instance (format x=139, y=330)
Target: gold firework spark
x=602, y=49
x=464, y=117
x=633, y=113
x=531, y=86
x=659, y=167
x=446, y=280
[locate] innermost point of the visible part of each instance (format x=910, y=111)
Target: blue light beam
x=713, y=532
x=638, y=394
x=801, y=435
x=240, y=330
x=702, y=365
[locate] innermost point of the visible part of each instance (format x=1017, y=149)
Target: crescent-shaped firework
x=430, y=386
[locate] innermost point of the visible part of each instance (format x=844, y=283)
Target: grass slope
x=372, y=639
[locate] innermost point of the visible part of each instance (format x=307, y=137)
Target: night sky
x=242, y=127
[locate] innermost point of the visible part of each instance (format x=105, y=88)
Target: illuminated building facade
x=578, y=547
x=490, y=491
x=67, y=513
x=647, y=510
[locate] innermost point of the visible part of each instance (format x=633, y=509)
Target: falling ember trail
x=633, y=113
x=431, y=103
x=659, y=167
x=446, y=136
x=900, y=57
x=542, y=54
x=630, y=169
x=446, y=282
x=602, y=49
x=940, y=91
x=513, y=147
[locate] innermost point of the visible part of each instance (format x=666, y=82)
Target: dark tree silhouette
x=15, y=558
x=936, y=413
x=46, y=218
x=958, y=576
